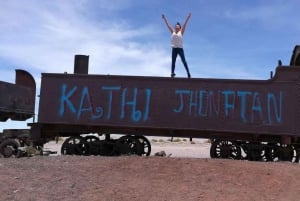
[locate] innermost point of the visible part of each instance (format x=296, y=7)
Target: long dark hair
x=178, y=24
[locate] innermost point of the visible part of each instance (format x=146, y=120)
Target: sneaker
x=173, y=75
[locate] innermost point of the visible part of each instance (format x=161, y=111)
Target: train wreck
x=244, y=119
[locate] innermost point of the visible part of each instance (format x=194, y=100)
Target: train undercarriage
x=254, y=151
x=92, y=145
x=17, y=144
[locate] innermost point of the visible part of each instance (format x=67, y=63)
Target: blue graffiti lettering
x=135, y=114
x=277, y=108
x=201, y=111
x=84, y=103
x=256, y=107
x=85, y=98
x=147, y=105
x=181, y=93
x=229, y=105
x=213, y=106
x=110, y=90
x=243, y=97
x=193, y=105
x=246, y=106
x=65, y=99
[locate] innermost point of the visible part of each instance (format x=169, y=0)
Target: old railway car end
x=17, y=102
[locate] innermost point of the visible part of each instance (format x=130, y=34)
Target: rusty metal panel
x=17, y=101
x=81, y=64
x=215, y=105
x=295, y=59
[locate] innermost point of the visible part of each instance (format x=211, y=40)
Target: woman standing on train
x=177, y=43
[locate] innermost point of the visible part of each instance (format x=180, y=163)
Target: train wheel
x=91, y=143
x=287, y=153
x=278, y=152
x=225, y=149
x=9, y=148
x=146, y=145
x=129, y=145
x=297, y=149
x=271, y=151
x=254, y=151
x=74, y=146
x=91, y=138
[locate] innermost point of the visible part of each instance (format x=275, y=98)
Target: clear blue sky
x=223, y=39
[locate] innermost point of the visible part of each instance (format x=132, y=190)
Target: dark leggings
x=175, y=52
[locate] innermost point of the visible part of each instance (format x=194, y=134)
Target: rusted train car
x=245, y=119
x=17, y=102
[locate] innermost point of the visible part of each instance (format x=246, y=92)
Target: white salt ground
x=180, y=147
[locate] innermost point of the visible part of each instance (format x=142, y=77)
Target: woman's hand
x=167, y=23
x=185, y=23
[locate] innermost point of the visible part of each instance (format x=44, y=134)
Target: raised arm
x=185, y=23
x=167, y=23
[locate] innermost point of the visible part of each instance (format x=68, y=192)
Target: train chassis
x=92, y=145
x=254, y=151
x=17, y=144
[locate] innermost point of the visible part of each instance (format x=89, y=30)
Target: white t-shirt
x=176, y=40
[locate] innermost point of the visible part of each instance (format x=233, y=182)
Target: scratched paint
x=251, y=106
x=129, y=99
x=135, y=104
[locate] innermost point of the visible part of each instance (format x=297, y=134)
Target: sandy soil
x=188, y=174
